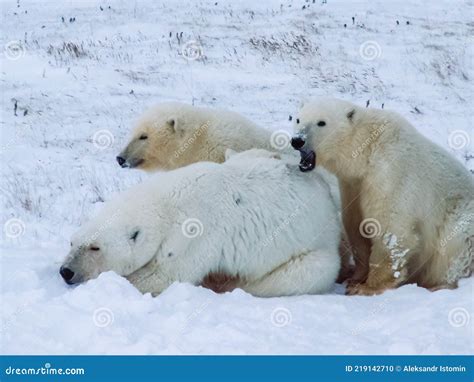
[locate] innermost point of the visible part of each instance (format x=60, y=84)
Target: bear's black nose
x=297, y=142
x=66, y=273
x=120, y=160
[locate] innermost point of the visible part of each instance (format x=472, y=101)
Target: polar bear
x=249, y=218
x=171, y=135
x=406, y=203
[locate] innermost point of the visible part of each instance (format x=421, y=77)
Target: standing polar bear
x=406, y=202
x=173, y=134
x=249, y=218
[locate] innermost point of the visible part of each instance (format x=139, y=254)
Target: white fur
x=263, y=221
x=421, y=196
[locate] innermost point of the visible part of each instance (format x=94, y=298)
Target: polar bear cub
x=171, y=135
x=249, y=218
x=406, y=203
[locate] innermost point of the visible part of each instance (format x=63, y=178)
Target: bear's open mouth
x=308, y=160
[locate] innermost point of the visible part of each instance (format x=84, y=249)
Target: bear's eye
x=143, y=136
x=321, y=123
x=290, y=118
x=297, y=120
x=134, y=235
x=71, y=243
x=94, y=248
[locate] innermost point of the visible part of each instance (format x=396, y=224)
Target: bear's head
x=112, y=241
x=142, y=226
x=323, y=134
x=125, y=235
x=163, y=139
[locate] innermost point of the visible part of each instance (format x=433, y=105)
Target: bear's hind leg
x=309, y=273
x=451, y=256
x=352, y=218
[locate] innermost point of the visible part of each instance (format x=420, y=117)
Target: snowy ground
x=78, y=84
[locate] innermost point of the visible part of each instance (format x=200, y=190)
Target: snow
x=78, y=86
x=41, y=315
x=397, y=253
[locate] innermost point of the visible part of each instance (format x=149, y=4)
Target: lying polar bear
x=249, y=218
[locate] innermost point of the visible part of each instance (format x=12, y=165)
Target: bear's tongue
x=308, y=160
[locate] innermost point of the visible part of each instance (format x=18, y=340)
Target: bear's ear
x=229, y=153
x=174, y=125
x=350, y=115
x=303, y=101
